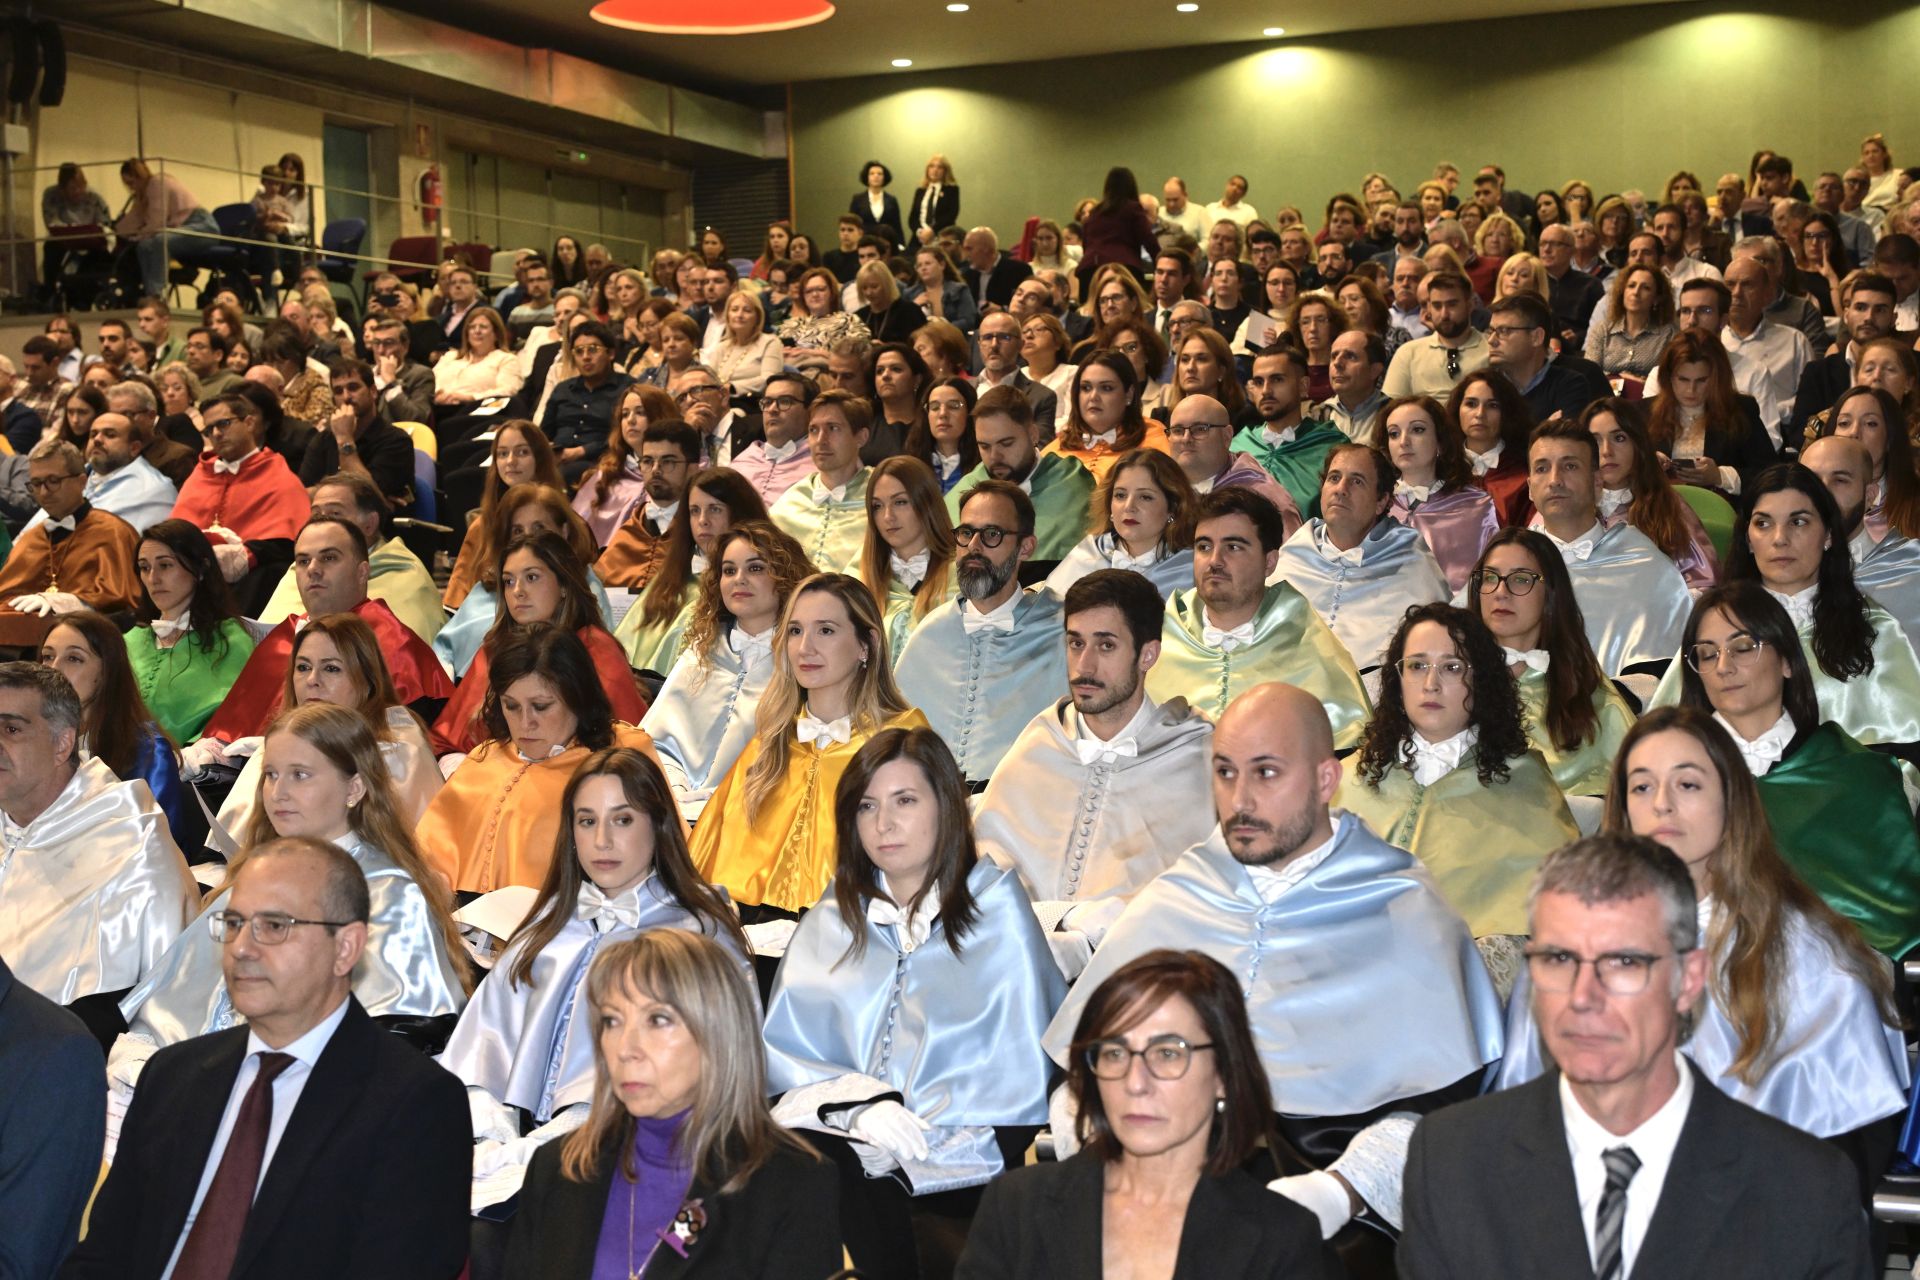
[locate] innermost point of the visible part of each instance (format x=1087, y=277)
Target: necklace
x=633, y=1272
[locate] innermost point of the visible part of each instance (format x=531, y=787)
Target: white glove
x=233, y=560
x=196, y=758
x=1322, y=1193
x=240, y=748
x=1094, y=918
x=36, y=604
x=492, y=1119
x=1063, y=1118
x=892, y=1128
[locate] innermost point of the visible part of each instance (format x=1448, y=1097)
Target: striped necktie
x=1611, y=1218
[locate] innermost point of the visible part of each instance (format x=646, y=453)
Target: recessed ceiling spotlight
x=903, y=62
x=1274, y=31
x=958, y=8
x=1186, y=8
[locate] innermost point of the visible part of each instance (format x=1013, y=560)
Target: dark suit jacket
x=53, y=1118
x=785, y=1223
x=1752, y=454
x=370, y=1179
x=1821, y=384
x=1570, y=385
x=896, y=323
x=1001, y=281
x=887, y=224
x=1043, y=1222
x=22, y=427
x=1046, y=405
x=1572, y=299
x=945, y=212
x=1490, y=1192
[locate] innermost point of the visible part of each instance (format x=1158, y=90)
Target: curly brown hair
x=1493, y=699
x=786, y=560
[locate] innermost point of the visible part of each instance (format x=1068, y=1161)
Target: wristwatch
x=348, y=450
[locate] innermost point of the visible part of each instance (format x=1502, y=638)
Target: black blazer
x=888, y=223
x=1822, y=383
x=1570, y=385
x=1489, y=1192
x=783, y=1225
x=945, y=212
x=1001, y=281
x=1043, y=1222
x=1752, y=453
x=896, y=323
x=370, y=1179
x=53, y=1118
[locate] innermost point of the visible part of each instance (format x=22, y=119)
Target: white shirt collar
x=1485, y=462
x=1272, y=883
x=1799, y=605
x=1110, y=546
x=1431, y=761
x=659, y=516
x=307, y=1048
x=1765, y=751
x=1412, y=494
x=913, y=931
x=1653, y=1144
x=1323, y=543
x=221, y=468
x=1224, y=640
x=972, y=619
x=946, y=464
x=749, y=646
x=1612, y=500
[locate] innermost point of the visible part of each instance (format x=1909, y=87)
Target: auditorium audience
x=188, y=645
x=79, y=557
x=1637, y=489
x=943, y=436
x=1289, y=445
x=1432, y=489
x=1874, y=417
x=1200, y=436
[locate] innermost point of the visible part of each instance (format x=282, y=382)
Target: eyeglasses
x=46, y=483
x=1620, y=973
x=1193, y=431
x=588, y=349
x=990, y=535
x=659, y=464
x=1507, y=331
x=1519, y=581
x=1739, y=651
x=270, y=928
x=1452, y=670
x=1167, y=1057
x=687, y=396
x=779, y=404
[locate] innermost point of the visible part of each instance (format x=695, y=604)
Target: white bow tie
x=1105, y=438
x=946, y=464
x=658, y=516
x=1799, y=606
x=1578, y=551
x=1121, y=558
x=972, y=621
x=1485, y=462
x=1352, y=555
x=1277, y=438
x=1765, y=751
x=1612, y=500
x=698, y=564
x=558, y=748
x=781, y=452
x=1536, y=659
x=223, y=468
x=822, y=733
x=749, y=647
x=65, y=522
x=827, y=497
x=1229, y=640
x=1431, y=761
x=166, y=629
x=1415, y=494
x=1092, y=749
x=607, y=914
x=913, y=569
x=914, y=931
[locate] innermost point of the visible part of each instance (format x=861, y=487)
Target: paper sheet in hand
x=500, y=912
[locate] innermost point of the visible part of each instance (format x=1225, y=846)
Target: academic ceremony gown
x=897, y=611
x=1633, y=599
x=460, y=727
x=1888, y=571
x=93, y=561
x=411, y=768
x=633, y=554
x=263, y=502
x=1294, y=461
x=184, y=685
x=1290, y=644
x=1061, y=488
x=832, y=531
x=784, y=855
x=461, y=635
x=1362, y=603
x=395, y=576
x=979, y=689
x=1584, y=770
x=1456, y=527
x=654, y=646
x=1168, y=570
x=702, y=718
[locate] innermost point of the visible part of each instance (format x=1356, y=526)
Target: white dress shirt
x=1126, y=742
x=1765, y=751
x=1767, y=365
x=287, y=1087
x=1653, y=1143
x=1272, y=883
x=1431, y=761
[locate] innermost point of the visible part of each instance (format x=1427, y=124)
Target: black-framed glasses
x=1519, y=581
x=1739, y=650
x=1166, y=1057
x=269, y=928
x=1194, y=430
x=687, y=395
x=1510, y=330
x=1620, y=973
x=991, y=535
x=1452, y=670
x=48, y=483
x=779, y=404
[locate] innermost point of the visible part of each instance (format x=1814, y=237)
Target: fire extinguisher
x=429, y=191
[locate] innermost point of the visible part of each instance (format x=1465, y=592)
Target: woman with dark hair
x=879, y=213
x=524, y=1044
x=703, y=716
x=1117, y=229
x=567, y=262
x=1435, y=493
x=907, y=559
x=615, y=486
x=900, y=379
x=542, y=582
x=939, y=291
x=677, y=1152
x=717, y=499
x=1706, y=433
x=115, y=726
x=189, y=644
x=1104, y=421
x=494, y=822
x=768, y=832
x=1172, y=1102
x=1315, y=321
x=773, y=247
x=77, y=412
x=1365, y=307
x=1874, y=418
x=1445, y=770
x=1141, y=344
x=1203, y=366
x=1822, y=252
x=1799, y=1020
x=521, y=455
x=921, y=943
x=324, y=778
x=1142, y=519
x=1575, y=717
x=1634, y=487
x=943, y=437
x=1791, y=539
x=1641, y=323
x=1838, y=810
x=1494, y=424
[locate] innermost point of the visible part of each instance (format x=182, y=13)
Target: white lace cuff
x=1375, y=1163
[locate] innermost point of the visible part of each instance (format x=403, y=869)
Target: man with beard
x=1866, y=313
x=669, y=452
x=1888, y=571
x=1233, y=631
x=1409, y=236
x=1289, y=445
x=1361, y=573
x=985, y=663
x=1059, y=486
x=1431, y=366
x=827, y=512
x=1368, y=1002
x=1137, y=770
x=119, y=479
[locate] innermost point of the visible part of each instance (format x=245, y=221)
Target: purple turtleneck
x=638, y=1211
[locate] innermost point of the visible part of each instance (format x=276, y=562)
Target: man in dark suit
x=1571, y=295
x=1627, y=1160
x=999, y=339
x=1866, y=313
x=308, y=1143
x=52, y=1120
x=991, y=276
x=1517, y=346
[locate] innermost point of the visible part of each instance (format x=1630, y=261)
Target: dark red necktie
x=214, y=1242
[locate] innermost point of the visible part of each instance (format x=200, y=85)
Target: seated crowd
x=1153, y=752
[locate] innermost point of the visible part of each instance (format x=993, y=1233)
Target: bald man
x=1200, y=436
x=1888, y=571
x=1369, y=1003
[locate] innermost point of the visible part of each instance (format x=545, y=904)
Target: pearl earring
x=1220, y=1106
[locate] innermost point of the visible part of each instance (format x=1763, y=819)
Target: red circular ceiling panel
x=711, y=17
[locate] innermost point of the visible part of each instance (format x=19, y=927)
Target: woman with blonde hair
x=1613, y=219
x=1043, y=346
x=483, y=368
x=1498, y=236
x=768, y=833
x=745, y=355
x=936, y=201
x=1141, y=519
x=886, y=313
x=678, y=1151
x=1520, y=273
x=1577, y=197
x=627, y=291
x=1203, y=366
x=703, y=716
x=323, y=776
x=1049, y=250
x=907, y=559
x=1883, y=187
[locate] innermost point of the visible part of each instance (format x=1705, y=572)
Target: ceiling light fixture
x=958, y=8
x=1186, y=8
x=1274, y=31
x=903, y=62
x=711, y=17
